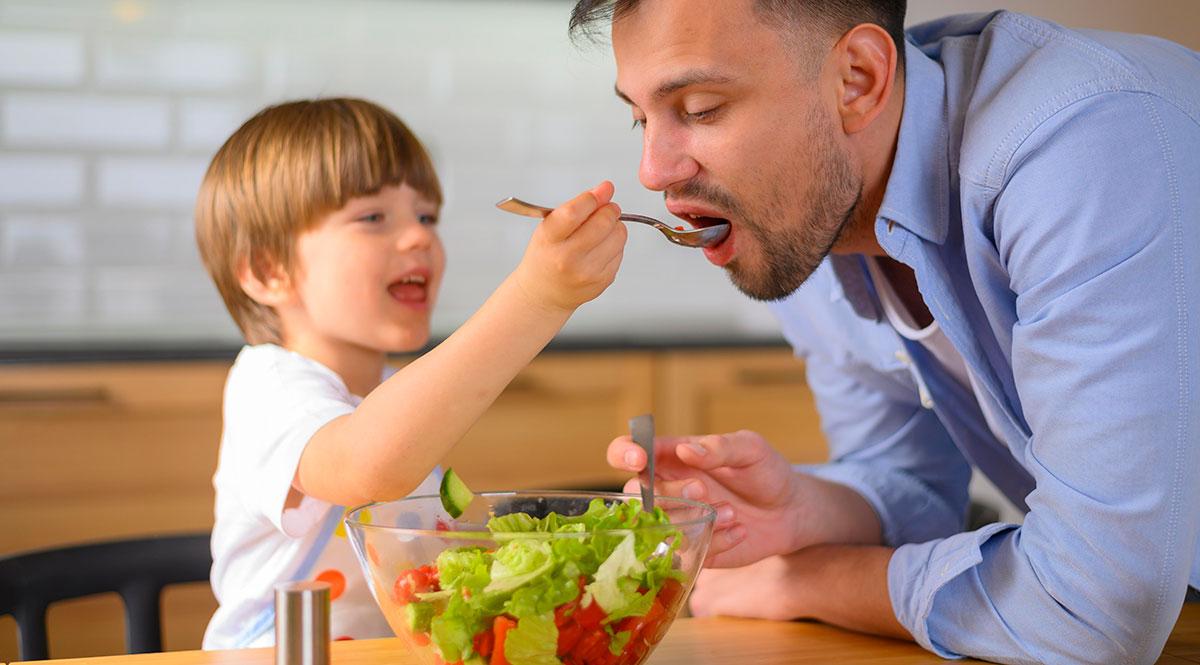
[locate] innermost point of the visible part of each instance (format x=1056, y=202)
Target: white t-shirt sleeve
x=275, y=401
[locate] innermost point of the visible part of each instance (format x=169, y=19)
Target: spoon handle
x=518, y=207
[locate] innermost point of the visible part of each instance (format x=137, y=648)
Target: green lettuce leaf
x=533, y=642
x=519, y=562
x=621, y=565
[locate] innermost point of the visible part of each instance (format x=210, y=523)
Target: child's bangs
x=368, y=148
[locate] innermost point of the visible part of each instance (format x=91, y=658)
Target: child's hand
x=575, y=251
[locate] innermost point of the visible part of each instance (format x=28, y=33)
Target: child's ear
x=266, y=283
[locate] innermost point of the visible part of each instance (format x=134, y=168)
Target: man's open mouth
x=698, y=221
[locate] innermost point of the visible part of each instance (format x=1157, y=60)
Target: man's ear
x=267, y=283
x=867, y=67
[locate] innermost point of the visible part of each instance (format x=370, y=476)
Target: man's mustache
x=694, y=190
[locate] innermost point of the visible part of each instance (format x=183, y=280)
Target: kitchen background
x=110, y=110
x=114, y=345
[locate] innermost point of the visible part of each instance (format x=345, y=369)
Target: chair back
x=136, y=568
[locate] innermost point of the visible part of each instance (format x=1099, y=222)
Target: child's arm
x=409, y=423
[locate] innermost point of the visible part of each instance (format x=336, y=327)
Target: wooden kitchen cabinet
x=719, y=391
x=105, y=450
x=95, y=451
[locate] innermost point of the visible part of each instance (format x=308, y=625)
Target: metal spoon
x=702, y=237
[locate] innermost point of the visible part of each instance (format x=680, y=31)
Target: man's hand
x=766, y=589
x=844, y=585
x=753, y=488
x=764, y=507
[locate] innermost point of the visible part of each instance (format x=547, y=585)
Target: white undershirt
x=931, y=336
x=935, y=341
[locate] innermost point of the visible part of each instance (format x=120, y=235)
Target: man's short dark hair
x=835, y=15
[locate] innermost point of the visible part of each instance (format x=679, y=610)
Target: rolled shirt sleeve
x=893, y=452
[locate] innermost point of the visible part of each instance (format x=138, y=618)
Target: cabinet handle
x=770, y=377
x=49, y=397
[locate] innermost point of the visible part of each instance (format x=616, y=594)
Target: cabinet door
x=764, y=390
x=550, y=428
x=107, y=450
x=98, y=451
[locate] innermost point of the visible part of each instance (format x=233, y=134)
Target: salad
x=602, y=593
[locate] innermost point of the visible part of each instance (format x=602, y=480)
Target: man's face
x=737, y=127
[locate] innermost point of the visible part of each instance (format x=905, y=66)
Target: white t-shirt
x=275, y=400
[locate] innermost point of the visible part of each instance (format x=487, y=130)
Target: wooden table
x=689, y=642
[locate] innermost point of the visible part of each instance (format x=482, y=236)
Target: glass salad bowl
x=581, y=578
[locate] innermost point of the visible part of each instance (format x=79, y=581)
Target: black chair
x=136, y=568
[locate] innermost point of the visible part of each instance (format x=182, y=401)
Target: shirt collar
x=917, y=192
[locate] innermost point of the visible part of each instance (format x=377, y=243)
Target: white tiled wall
x=110, y=109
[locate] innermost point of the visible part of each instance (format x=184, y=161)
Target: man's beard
x=793, y=241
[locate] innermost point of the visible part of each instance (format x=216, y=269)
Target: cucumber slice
x=419, y=616
x=456, y=496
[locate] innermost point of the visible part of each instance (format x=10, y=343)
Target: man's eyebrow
x=688, y=78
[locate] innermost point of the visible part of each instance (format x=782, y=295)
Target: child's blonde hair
x=279, y=173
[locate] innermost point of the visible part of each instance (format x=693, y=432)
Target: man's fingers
x=723, y=541
x=619, y=451
x=690, y=488
x=737, y=450
x=626, y=455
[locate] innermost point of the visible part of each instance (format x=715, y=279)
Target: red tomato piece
x=670, y=592
x=483, y=643
x=656, y=621
x=411, y=582
x=500, y=627
x=592, y=647
x=568, y=636
x=590, y=616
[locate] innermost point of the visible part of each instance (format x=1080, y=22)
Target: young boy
x=318, y=222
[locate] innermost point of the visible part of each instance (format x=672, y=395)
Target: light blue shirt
x=1046, y=192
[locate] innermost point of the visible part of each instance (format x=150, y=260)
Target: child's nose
x=415, y=236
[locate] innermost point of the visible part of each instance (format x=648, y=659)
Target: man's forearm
x=832, y=513
x=847, y=586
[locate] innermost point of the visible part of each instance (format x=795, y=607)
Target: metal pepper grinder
x=302, y=623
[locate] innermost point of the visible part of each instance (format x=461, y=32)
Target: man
x=984, y=243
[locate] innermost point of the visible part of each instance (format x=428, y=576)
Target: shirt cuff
x=917, y=572
x=908, y=510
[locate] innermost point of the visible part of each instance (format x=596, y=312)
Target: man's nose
x=665, y=161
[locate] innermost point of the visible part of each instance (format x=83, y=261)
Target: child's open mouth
x=410, y=290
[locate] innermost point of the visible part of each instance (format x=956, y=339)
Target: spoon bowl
x=708, y=236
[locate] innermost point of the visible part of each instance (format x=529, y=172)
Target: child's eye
x=373, y=218
x=428, y=220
